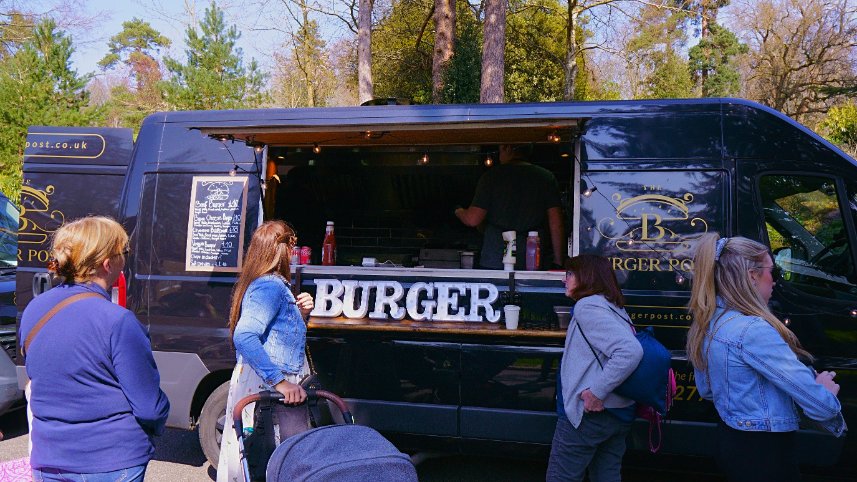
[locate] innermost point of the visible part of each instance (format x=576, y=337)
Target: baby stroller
x=337, y=453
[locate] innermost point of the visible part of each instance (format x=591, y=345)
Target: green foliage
x=670, y=77
x=135, y=48
x=305, y=76
x=402, y=53
x=535, y=51
x=402, y=46
x=214, y=76
x=716, y=55
x=841, y=127
x=462, y=78
x=136, y=36
x=38, y=87
x=655, y=47
x=15, y=29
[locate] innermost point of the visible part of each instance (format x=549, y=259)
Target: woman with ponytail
x=750, y=364
x=268, y=328
x=95, y=389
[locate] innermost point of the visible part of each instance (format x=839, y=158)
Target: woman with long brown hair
x=600, y=353
x=750, y=364
x=268, y=328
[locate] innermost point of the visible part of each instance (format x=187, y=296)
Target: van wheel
x=212, y=422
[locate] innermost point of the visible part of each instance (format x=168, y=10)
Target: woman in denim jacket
x=749, y=363
x=269, y=332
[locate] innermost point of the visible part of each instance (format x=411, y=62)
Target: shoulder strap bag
x=50, y=314
x=652, y=384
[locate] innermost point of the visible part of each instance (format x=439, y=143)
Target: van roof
x=476, y=123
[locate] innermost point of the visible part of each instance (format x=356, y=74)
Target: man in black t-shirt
x=521, y=197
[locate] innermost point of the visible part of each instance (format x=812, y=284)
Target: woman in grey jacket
x=592, y=434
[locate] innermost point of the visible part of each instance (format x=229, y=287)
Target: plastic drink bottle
x=533, y=251
x=328, y=247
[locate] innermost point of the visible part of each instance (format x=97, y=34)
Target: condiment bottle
x=328, y=247
x=533, y=251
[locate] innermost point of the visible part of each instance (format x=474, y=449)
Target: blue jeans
x=598, y=444
x=131, y=474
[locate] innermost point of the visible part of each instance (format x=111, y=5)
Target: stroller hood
x=339, y=453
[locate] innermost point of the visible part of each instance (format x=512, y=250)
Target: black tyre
x=212, y=423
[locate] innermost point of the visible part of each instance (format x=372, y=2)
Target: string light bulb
x=680, y=279
x=233, y=171
x=589, y=190
x=854, y=313
x=259, y=148
x=367, y=135
x=553, y=137
x=423, y=160
x=316, y=149
x=488, y=161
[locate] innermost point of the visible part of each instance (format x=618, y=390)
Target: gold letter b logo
x=656, y=225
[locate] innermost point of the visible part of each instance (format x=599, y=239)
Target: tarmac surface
x=178, y=458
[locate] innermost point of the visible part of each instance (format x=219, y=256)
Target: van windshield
x=8, y=234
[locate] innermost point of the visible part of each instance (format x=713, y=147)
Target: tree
x=214, y=76
x=403, y=52
x=840, y=125
x=461, y=78
x=134, y=48
x=534, y=51
x=365, y=88
x=493, y=52
x=304, y=76
x=800, y=54
x=713, y=62
x=38, y=87
x=655, y=50
x=444, y=41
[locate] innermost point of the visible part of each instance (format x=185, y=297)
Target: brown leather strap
x=50, y=314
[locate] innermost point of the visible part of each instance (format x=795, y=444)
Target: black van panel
x=702, y=156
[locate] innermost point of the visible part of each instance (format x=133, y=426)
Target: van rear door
x=69, y=172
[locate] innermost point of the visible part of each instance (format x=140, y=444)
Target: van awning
x=402, y=134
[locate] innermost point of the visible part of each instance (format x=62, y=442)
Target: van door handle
x=41, y=283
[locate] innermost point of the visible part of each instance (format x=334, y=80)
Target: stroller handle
x=311, y=393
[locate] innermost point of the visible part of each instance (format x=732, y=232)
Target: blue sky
x=166, y=16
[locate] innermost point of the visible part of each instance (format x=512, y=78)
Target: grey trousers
x=597, y=444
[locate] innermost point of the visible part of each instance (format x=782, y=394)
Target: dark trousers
x=756, y=456
x=597, y=444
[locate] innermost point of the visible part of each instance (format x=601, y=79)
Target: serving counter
x=432, y=301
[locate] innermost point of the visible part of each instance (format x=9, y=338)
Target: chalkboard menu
x=218, y=206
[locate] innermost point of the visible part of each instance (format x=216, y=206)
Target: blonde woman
x=95, y=392
x=269, y=331
x=750, y=364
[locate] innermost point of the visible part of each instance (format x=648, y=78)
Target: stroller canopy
x=339, y=453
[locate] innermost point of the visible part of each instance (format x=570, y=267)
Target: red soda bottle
x=328, y=247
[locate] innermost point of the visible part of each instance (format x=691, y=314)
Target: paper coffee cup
x=511, y=314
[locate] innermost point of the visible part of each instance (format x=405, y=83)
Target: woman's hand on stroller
x=292, y=394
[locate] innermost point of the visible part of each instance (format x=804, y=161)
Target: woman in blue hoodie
x=750, y=364
x=95, y=394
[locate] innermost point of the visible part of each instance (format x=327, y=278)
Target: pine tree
x=135, y=48
x=38, y=87
x=713, y=64
x=214, y=76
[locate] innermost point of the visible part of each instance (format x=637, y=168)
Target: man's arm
x=472, y=216
x=557, y=231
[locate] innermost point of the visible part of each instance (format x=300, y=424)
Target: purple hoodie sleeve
x=138, y=375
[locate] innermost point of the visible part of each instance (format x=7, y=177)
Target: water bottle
x=533, y=251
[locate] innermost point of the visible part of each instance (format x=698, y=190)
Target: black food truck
x=401, y=330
